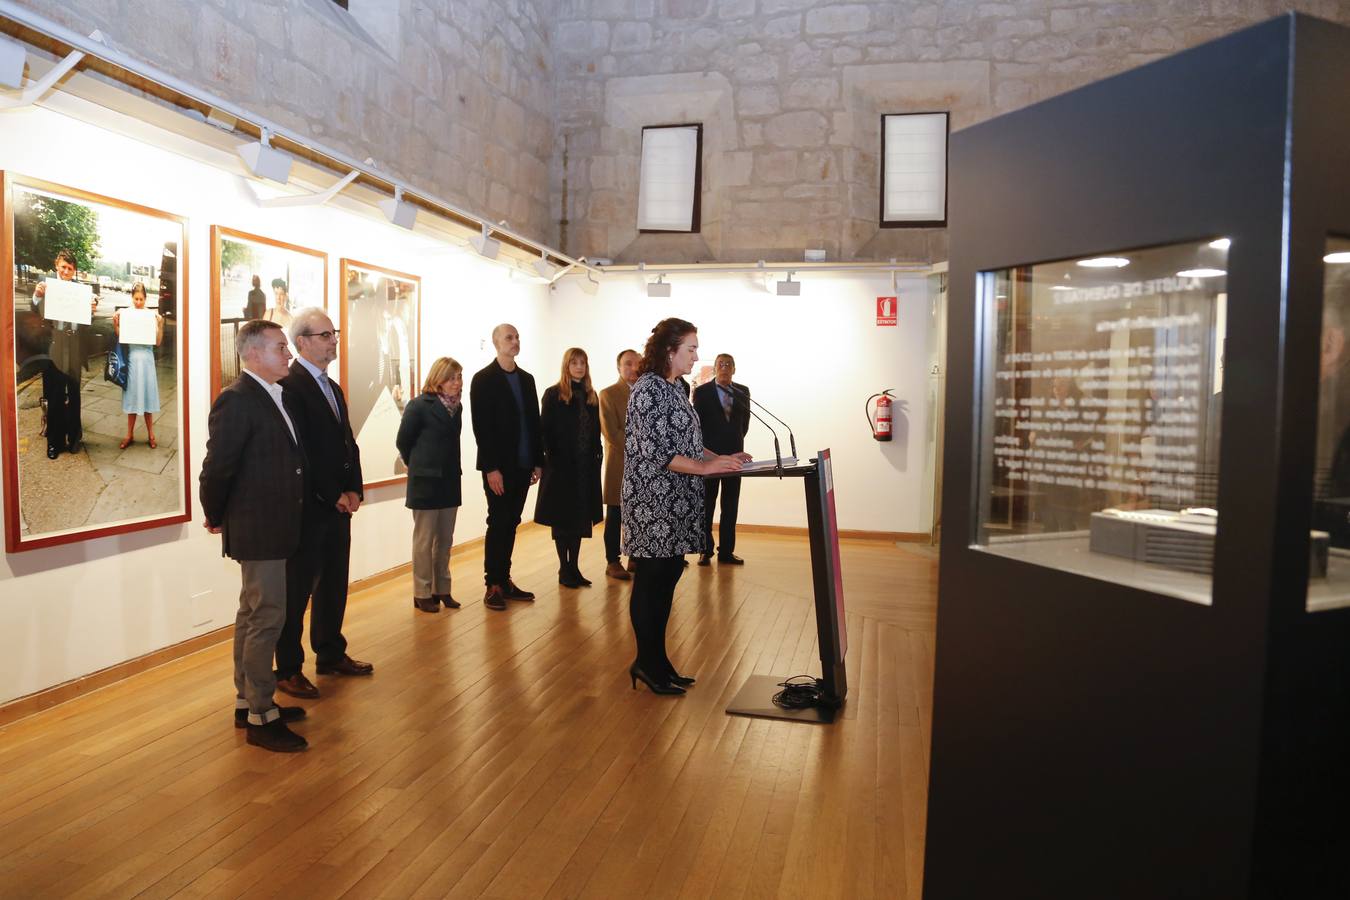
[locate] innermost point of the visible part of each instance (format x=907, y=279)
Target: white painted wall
x=812, y=359
x=71, y=610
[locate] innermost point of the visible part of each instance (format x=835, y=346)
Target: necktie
x=726, y=404
x=328, y=394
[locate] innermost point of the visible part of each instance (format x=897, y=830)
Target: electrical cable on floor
x=800, y=692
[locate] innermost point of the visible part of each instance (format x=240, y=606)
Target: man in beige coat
x=613, y=418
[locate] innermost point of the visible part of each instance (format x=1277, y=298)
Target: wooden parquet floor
x=504, y=755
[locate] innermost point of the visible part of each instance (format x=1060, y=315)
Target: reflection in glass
x=1100, y=414
x=97, y=327
x=1331, y=469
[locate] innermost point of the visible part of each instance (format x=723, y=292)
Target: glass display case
x=1099, y=414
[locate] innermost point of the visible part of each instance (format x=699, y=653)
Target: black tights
x=568, y=550
x=654, y=583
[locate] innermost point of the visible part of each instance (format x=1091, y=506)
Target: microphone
x=777, y=453
x=737, y=389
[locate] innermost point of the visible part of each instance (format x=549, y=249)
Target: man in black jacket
x=253, y=487
x=319, y=566
x=723, y=409
x=505, y=412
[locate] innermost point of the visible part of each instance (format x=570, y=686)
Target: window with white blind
x=913, y=170
x=670, y=183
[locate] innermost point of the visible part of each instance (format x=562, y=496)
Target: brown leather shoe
x=427, y=604
x=616, y=570
x=345, y=666
x=494, y=599
x=298, y=686
x=450, y=602
x=512, y=592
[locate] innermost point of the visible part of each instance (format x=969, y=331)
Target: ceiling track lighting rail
x=187, y=96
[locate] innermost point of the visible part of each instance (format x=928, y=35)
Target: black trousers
x=319, y=570
x=726, y=527
x=654, y=583
x=503, y=515
x=62, y=394
x=613, y=533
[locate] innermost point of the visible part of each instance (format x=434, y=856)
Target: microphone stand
x=777, y=454
x=740, y=391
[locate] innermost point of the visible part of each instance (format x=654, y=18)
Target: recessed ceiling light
x=1201, y=273
x=1104, y=262
x=1221, y=243
x=1340, y=256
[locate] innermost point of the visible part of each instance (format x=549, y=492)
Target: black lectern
x=756, y=696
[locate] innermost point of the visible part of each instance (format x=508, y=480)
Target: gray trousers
x=262, y=612
x=433, y=533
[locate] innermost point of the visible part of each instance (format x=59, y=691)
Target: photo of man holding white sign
x=70, y=308
x=141, y=330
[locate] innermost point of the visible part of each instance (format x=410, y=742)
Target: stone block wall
x=792, y=93
x=455, y=96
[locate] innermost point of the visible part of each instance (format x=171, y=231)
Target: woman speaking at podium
x=663, y=469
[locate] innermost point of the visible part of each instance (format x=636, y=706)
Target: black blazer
x=334, y=460
x=569, y=491
x=496, y=419
x=719, y=434
x=253, y=481
x=428, y=441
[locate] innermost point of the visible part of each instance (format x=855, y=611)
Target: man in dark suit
x=253, y=487
x=505, y=411
x=319, y=567
x=723, y=409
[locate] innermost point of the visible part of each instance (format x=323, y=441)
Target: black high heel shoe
x=581, y=579
x=682, y=680
x=635, y=675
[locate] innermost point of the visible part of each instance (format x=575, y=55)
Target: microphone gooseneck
x=737, y=389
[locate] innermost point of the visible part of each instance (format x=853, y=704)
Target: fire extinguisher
x=880, y=419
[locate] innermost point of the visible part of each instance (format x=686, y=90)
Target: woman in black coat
x=428, y=441
x=569, y=491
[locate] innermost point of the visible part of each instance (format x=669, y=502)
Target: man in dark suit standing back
x=505, y=411
x=723, y=408
x=319, y=567
x=253, y=486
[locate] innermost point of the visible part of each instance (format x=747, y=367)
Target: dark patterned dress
x=662, y=510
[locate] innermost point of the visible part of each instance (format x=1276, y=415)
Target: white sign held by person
x=68, y=301
x=136, y=326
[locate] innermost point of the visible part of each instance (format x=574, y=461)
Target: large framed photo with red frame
x=381, y=318
x=95, y=418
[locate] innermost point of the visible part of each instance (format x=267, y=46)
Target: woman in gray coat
x=428, y=441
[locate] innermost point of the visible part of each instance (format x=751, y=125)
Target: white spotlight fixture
x=589, y=286
x=659, y=288
x=12, y=58
x=487, y=247
x=789, y=288
x=1340, y=257
x=1104, y=262
x=545, y=268
x=1221, y=243
x=399, y=211
x=1201, y=273
x=264, y=161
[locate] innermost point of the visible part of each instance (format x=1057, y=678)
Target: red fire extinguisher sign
x=888, y=310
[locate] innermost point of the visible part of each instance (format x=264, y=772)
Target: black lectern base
x=756, y=699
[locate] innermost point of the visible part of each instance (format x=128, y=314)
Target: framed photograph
x=95, y=429
x=381, y=316
x=255, y=277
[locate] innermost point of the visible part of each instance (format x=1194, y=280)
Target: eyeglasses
x=322, y=334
